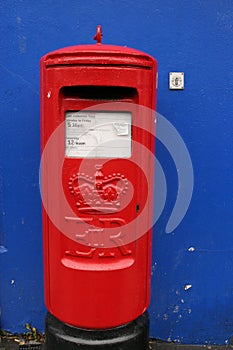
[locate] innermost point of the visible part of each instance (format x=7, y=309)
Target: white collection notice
x=91, y=134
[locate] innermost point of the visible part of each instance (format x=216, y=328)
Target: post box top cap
x=96, y=48
x=98, y=53
x=101, y=52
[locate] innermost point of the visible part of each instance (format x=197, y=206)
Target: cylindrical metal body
x=97, y=136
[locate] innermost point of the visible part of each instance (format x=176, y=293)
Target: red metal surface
x=92, y=286
x=99, y=35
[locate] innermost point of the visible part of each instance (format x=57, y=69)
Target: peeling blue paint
x=3, y=249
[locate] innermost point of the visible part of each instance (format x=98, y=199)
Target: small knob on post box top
x=99, y=35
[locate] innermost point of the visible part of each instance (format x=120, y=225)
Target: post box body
x=89, y=284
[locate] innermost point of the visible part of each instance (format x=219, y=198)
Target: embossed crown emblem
x=98, y=193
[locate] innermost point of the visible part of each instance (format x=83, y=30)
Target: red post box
x=97, y=135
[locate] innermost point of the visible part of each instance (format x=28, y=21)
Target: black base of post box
x=132, y=336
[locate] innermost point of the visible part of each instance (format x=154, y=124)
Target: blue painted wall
x=193, y=36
